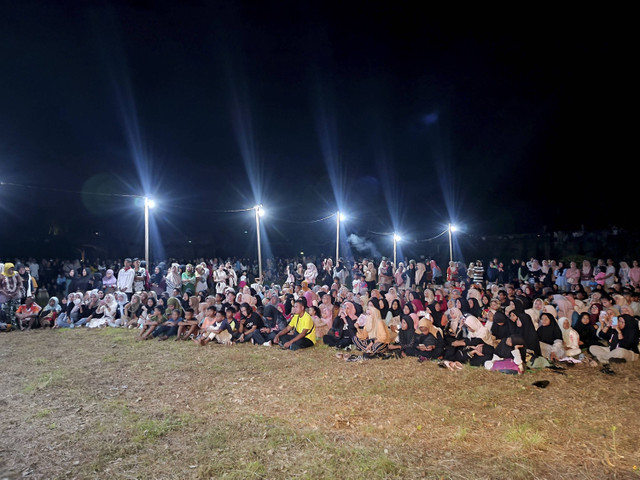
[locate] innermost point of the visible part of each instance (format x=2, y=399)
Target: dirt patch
x=92, y=404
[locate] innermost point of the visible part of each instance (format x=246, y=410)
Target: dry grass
x=96, y=404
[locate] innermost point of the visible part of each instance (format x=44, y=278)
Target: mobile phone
x=614, y=322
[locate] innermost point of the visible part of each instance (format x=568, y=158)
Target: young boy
x=217, y=329
x=168, y=328
x=155, y=319
x=189, y=322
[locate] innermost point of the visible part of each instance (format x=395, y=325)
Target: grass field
x=97, y=404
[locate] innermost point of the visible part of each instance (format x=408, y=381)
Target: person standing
x=140, y=276
x=125, y=278
x=478, y=273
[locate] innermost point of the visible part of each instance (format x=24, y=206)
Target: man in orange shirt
x=28, y=313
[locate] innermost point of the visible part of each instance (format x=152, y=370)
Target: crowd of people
x=506, y=317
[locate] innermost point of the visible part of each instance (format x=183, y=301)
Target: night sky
x=505, y=121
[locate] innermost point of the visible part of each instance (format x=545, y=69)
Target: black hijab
x=474, y=308
x=385, y=308
x=407, y=337
x=550, y=333
x=396, y=312
x=437, y=315
x=501, y=325
x=630, y=333
x=528, y=332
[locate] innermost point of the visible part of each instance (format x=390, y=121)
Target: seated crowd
x=527, y=314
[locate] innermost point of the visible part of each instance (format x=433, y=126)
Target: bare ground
x=97, y=404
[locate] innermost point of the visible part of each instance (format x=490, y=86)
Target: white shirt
x=125, y=280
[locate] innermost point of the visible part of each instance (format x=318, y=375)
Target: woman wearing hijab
x=409, y=310
x=535, y=311
x=109, y=309
x=406, y=345
x=82, y=281
x=430, y=341
x=173, y=279
x=586, y=331
x=132, y=312
x=63, y=319
x=87, y=310
x=622, y=335
x=523, y=325
x=311, y=274
x=157, y=281
x=415, y=299
x=50, y=312
x=570, y=338
x=452, y=272
x=501, y=326
x=434, y=309
x=372, y=338
x=586, y=274
x=421, y=275
x=109, y=281
x=479, y=342
x=454, y=335
x=400, y=277
x=550, y=336
x=474, y=307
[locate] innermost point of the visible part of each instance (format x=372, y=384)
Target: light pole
x=452, y=228
x=396, y=239
x=340, y=217
x=148, y=203
x=259, y=213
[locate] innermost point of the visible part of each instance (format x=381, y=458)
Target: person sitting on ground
x=28, y=314
x=373, y=334
x=188, y=326
x=274, y=320
x=156, y=318
x=587, y=332
x=87, y=310
x=621, y=333
x=454, y=335
x=249, y=326
x=50, y=312
x=430, y=341
x=65, y=318
x=507, y=356
x=132, y=312
x=214, y=328
x=303, y=330
x=550, y=338
x=170, y=327
x=173, y=303
x=406, y=345
x=321, y=327
x=479, y=342
x=147, y=310
x=570, y=338
x=343, y=328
